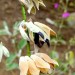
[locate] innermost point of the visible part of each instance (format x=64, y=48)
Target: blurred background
x=59, y=15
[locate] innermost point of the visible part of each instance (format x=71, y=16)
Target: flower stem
x=24, y=18
x=23, y=12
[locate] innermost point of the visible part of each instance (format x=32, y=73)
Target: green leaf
x=11, y=58
x=3, y=32
x=6, y=28
x=5, y=25
x=11, y=66
x=22, y=44
x=16, y=25
x=15, y=28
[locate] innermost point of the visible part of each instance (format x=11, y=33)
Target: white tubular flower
x=3, y=50
x=32, y=5
x=39, y=33
x=36, y=64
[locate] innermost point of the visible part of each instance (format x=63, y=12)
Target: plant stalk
x=24, y=18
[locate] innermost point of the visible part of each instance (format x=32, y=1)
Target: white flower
x=3, y=50
x=38, y=33
x=32, y=5
x=35, y=64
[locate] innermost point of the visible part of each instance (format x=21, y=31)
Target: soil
x=10, y=11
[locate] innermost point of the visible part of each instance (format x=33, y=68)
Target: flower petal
x=22, y=31
x=33, y=70
x=23, y=66
x=41, y=3
x=44, y=27
x=5, y=51
x=36, y=3
x=37, y=41
x=1, y=54
x=32, y=10
x=25, y=2
x=47, y=58
x=40, y=63
x=31, y=36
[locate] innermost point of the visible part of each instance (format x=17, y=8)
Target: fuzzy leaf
x=11, y=66
x=22, y=44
